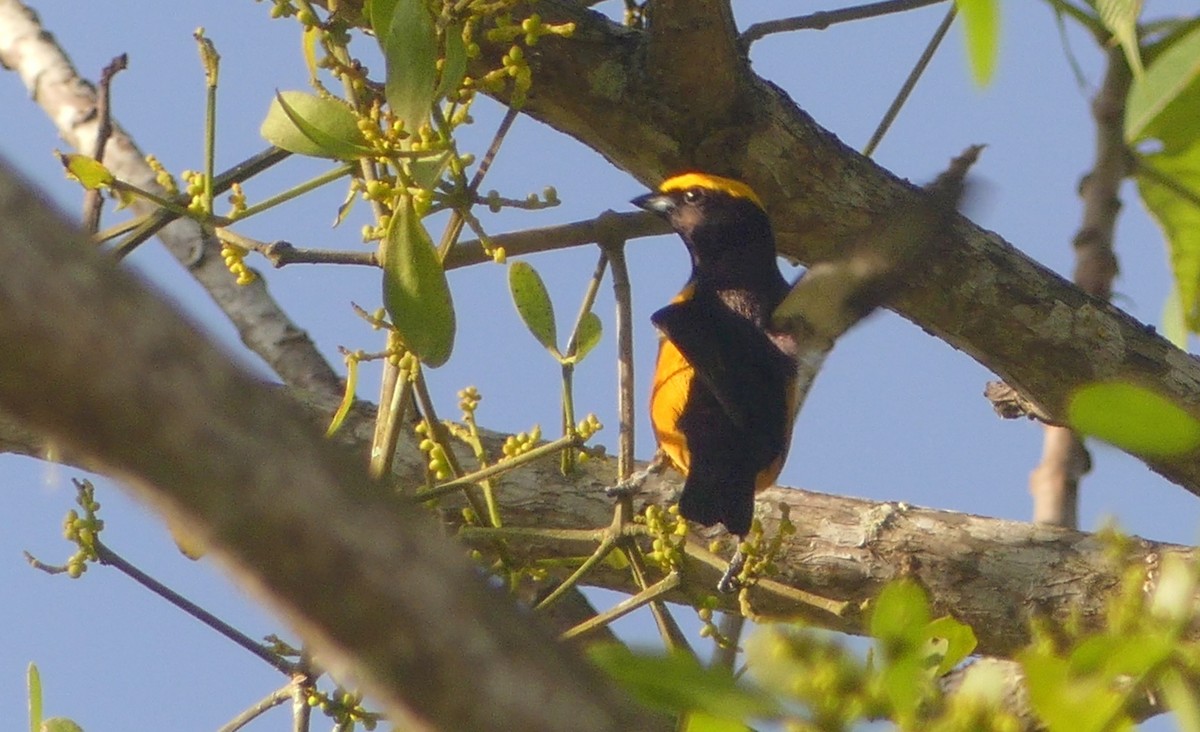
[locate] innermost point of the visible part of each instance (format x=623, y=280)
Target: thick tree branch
x=692, y=59
x=989, y=573
x=70, y=102
x=981, y=295
x=94, y=361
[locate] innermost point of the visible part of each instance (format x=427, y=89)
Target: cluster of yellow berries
x=521, y=443
x=82, y=530
x=162, y=176
x=235, y=262
x=468, y=401
x=343, y=707
x=439, y=464
x=282, y=9
x=194, y=180
x=588, y=426
x=669, y=532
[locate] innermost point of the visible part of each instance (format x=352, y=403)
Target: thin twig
x=672, y=635
x=911, y=81
x=601, y=553
x=566, y=442
x=620, y=225
x=725, y=654
x=301, y=710
x=112, y=559
x=267, y=703
x=282, y=253
x=93, y=201
x=825, y=18
x=634, y=225
x=626, y=606
x=239, y=173
x=622, y=293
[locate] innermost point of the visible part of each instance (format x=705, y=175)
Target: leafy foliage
x=981, y=25
x=415, y=291
x=1163, y=106
x=1134, y=419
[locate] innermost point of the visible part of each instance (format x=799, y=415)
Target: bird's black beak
x=659, y=203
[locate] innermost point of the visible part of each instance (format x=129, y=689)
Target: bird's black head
x=720, y=219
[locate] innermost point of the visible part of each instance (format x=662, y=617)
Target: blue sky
x=897, y=414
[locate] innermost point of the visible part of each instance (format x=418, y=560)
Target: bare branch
x=693, y=60
x=70, y=102
x=825, y=18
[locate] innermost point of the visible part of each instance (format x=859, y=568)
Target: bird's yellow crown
x=732, y=187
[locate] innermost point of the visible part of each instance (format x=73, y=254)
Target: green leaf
x=1179, y=218
x=1133, y=418
x=701, y=722
x=415, y=291
x=379, y=12
x=410, y=51
x=981, y=24
x=1181, y=699
x=88, y=171
x=587, y=337
x=33, y=680
x=899, y=616
x=454, y=62
x=1173, y=324
x=321, y=127
x=60, y=724
x=1162, y=103
x=1120, y=17
x=678, y=683
x=906, y=684
x=959, y=641
x=533, y=303
x=427, y=170
x=1068, y=704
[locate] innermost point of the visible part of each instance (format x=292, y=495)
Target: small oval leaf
x=454, y=61
x=427, y=170
x=307, y=124
x=415, y=291
x=588, y=335
x=410, y=50
x=533, y=303
x=1170, y=83
x=677, y=682
x=1133, y=418
x=88, y=171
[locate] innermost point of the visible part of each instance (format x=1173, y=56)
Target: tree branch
x=692, y=59
x=1036, y=331
x=68, y=100
x=823, y=19
x=367, y=580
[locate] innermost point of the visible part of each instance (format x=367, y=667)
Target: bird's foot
x=729, y=582
x=631, y=485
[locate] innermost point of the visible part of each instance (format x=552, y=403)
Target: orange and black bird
x=723, y=399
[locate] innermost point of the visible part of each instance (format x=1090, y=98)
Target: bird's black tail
x=709, y=499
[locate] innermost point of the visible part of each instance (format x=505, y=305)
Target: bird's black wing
x=747, y=374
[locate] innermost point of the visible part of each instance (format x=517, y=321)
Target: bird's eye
x=693, y=195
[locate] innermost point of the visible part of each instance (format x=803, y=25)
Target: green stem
x=541, y=451
x=651, y=594
x=602, y=552
x=300, y=190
